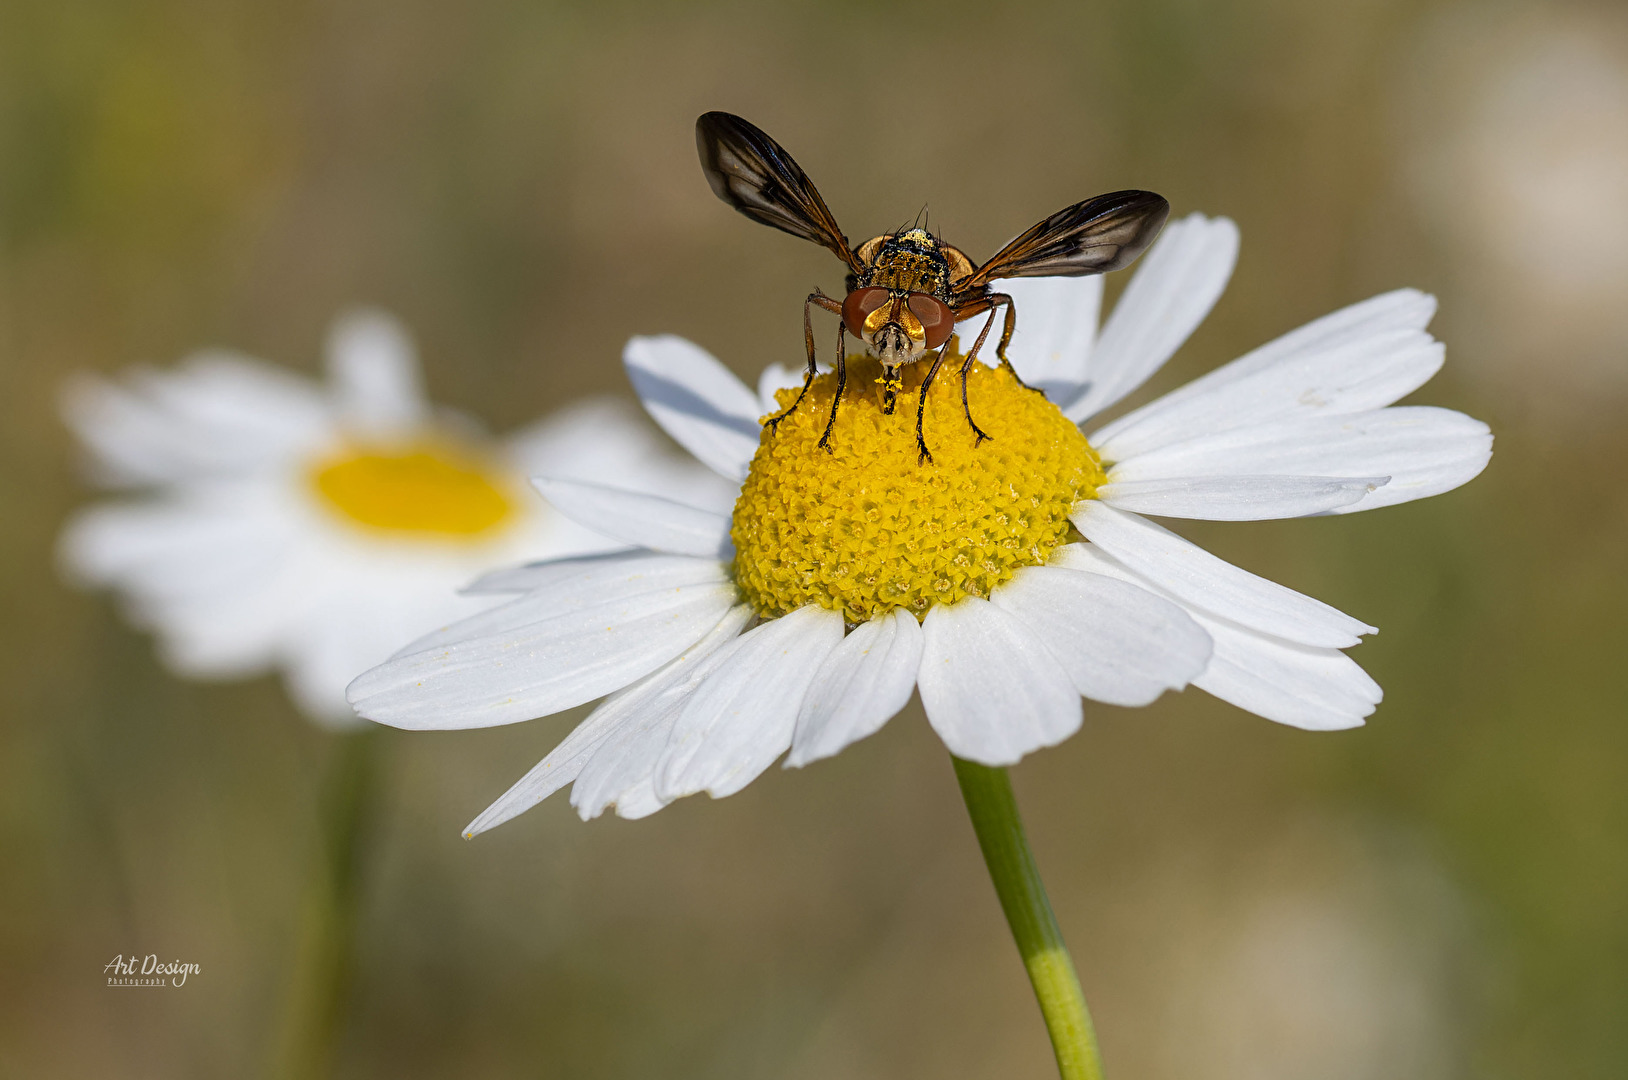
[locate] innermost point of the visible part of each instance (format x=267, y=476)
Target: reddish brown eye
x=937, y=320
x=860, y=303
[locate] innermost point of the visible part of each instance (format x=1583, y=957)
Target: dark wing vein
x=754, y=174
x=1090, y=237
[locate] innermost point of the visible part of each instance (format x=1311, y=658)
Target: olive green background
x=1439, y=894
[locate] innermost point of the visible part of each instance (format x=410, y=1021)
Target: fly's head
x=898, y=304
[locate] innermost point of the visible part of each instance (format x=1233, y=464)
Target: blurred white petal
x=608, y=441
x=218, y=414
x=373, y=369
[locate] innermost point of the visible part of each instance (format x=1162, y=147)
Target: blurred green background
x=1440, y=894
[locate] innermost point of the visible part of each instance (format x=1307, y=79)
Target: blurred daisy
x=315, y=528
x=1003, y=582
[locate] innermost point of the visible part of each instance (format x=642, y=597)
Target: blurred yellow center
x=430, y=487
x=866, y=529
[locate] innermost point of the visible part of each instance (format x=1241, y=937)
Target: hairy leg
x=820, y=299
x=923, y=454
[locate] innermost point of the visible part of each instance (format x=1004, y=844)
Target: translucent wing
x=754, y=174
x=1090, y=237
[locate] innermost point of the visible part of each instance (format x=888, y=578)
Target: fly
x=907, y=290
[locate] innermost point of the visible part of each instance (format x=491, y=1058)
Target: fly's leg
x=836, y=399
x=1006, y=339
x=923, y=454
x=814, y=298
x=966, y=366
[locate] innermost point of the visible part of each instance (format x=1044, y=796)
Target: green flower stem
x=994, y=812
x=325, y=962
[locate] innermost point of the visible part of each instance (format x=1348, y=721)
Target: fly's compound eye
x=937, y=320
x=859, y=304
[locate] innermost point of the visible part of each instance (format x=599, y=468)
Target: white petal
x=170, y=547
x=525, y=578
x=776, y=377
x=647, y=521
x=552, y=649
x=697, y=401
x=362, y=609
x=1305, y=687
x=1424, y=450
x=743, y=714
x=608, y=441
x=343, y=635
x=1121, y=644
x=1363, y=357
x=211, y=576
x=1438, y=454
x=621, y=771
x=1196, y=577
x=218, y=414
x=576, y=441
x=1056, y=326
x=629, y=709
x=992, y=689
x=638, y=801
x=561, y=585
x=1178, y=282
x=1238, y=498
x=860, y=686
x=374, y=371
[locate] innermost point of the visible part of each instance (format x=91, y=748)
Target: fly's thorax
x=910, y=271
x=912, y=261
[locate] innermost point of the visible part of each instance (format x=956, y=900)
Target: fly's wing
x=1090, y=237
x=754, y=174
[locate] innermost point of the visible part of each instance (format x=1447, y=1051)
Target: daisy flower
x=283, y=523
x=1002, y=582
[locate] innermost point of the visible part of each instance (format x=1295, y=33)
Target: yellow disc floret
x=867, y=527
x=431, y=487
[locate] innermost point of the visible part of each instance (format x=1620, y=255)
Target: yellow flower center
x=430, y=487
x=865, y=528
